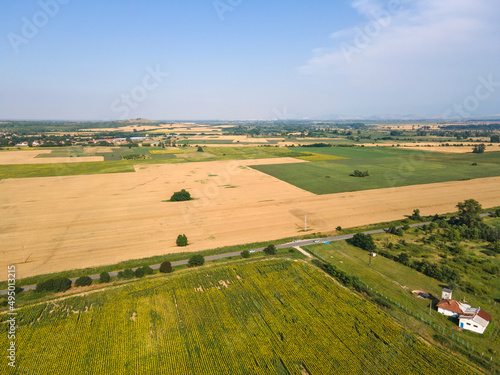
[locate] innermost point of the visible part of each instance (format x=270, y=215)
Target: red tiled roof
x=450, y=305
x=483, y=314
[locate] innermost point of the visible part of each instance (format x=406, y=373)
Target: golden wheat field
x=81, y=221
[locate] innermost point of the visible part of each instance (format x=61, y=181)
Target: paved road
x=238, y=253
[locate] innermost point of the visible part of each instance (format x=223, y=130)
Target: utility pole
x=24, y=259
x=305, y=223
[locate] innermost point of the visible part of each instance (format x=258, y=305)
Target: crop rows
x=272, y=317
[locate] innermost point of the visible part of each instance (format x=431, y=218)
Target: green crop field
x=387, y=166
x=261, y=317
x=64, y=169
x=114, y=161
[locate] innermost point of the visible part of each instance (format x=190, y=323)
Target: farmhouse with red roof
x=472, y=319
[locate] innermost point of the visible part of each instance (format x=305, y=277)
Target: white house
x=472, y=319
x=475, y=320
x=451, y=308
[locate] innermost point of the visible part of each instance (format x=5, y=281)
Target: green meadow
x=387, y=167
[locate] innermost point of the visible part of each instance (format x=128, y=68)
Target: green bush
x=245, y=254
x=166, y=267
x=54, y=285
x=83, y=281
x=104, y=277
x=363, y=241
x=181, y=240
x=139, y=272
x=358, y=173
x=270, y=250
x=196, y=260
x=126, y=274
x=180, y=196
x=147, y=270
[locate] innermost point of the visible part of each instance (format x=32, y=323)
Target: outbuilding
x=475, y=320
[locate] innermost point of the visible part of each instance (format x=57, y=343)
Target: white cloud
x=421, y=56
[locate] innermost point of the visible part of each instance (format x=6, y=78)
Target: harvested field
x=81, y=221
x=30, y=157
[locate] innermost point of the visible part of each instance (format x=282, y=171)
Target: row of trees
x=62, y=284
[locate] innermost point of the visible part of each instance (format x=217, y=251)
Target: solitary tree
x=196, y=260
x=270, y=249
x=469, y=213
x=104, y=277
x=416, y=215
x=83, y=281
x=200, y=149
x=479, y=149
x=166, y=267
x=180, y=196
x=181, y=240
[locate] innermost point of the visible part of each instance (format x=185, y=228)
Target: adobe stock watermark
x=12, y=315
x=32, y=25
x=484, y=90
x=407, y=167
x=223, y=6
x=139, y=93
x=282, y=117
x=364, y=36
x=203, y=197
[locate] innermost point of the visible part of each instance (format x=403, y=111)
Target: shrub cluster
x=54, y=285
x=166, y=267
x=83, y=281
x=196, y=260
x=363, y=241
x=358, y=173
x=270, y=250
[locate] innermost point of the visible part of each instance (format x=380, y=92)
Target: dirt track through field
x=82, y=221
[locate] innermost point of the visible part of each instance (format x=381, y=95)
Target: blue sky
x=249, y=59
